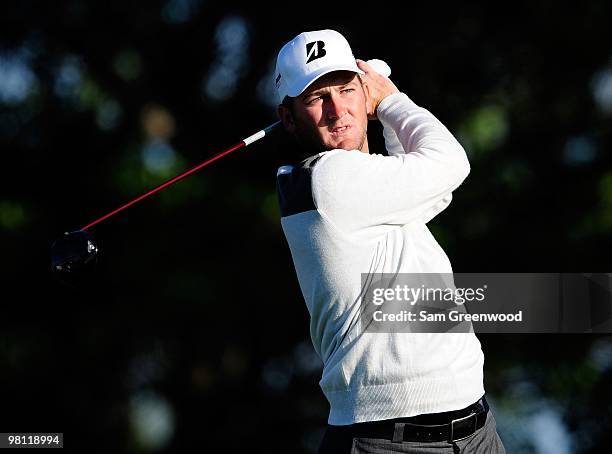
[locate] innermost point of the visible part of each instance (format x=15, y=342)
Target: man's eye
x=313, y=100
x=347, y=90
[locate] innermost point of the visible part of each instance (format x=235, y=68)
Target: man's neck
x=365, y=148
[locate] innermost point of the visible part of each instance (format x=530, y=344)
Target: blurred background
x=193, y=334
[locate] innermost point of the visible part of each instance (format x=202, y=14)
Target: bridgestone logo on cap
x=314, y=50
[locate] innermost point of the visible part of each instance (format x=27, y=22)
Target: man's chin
x=343, y=145
x=349, y=144
x=312, y=144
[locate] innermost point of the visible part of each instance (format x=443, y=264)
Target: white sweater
x=345, y=213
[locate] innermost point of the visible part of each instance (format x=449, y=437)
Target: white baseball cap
x=309, y=56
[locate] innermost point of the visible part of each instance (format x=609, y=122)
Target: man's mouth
x=340, y=130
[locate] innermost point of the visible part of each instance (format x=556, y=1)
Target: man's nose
x=335, y=107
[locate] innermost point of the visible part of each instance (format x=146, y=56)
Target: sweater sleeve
x=392, y=144
x=358, y=190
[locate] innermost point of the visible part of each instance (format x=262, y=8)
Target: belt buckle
x=452, y=429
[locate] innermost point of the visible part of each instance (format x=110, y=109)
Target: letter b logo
x=314, y=50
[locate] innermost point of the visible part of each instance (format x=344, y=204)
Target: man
x=346, y=212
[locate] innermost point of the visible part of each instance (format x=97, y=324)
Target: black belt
x=448, y=426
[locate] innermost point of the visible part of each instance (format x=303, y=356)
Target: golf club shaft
x=249, y=140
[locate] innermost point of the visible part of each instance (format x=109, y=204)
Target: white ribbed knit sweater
x=345, y=213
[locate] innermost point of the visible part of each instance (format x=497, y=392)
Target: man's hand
x=379, y=87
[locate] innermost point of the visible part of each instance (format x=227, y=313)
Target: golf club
x=77, y=251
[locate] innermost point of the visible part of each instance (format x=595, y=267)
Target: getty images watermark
x=487, y=303
x=412, y=296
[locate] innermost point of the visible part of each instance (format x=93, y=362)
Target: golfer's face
x=332, y=113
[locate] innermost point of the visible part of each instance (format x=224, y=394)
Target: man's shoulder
x=294, y=186
x=328, y=165
x=339, y=158
x=307, y=163
x=303, y=169
x=319, y=175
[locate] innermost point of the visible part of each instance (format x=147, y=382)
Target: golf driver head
x=74, y=253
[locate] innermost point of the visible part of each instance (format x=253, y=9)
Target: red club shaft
x=185, y=174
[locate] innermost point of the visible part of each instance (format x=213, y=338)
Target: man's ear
x=287, y=118
x=368, y=99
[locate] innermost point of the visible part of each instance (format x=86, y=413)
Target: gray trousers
x=484, y=441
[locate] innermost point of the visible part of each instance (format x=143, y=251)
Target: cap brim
x=319, y=73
